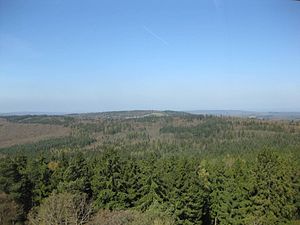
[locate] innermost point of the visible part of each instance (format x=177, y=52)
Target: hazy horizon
x=200, y=111
x=69, y=56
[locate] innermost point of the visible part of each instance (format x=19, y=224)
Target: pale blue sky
x=93, y=55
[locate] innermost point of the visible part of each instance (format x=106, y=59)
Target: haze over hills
x=31, y=113
x=144, y=113
x=251, y=114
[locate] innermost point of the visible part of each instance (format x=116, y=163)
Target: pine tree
x=187, y=194
x=132, y=179
x=108, y=183
x=273, y=194
x=76, y=176
x=14, y=181
x=231, y=186
x=153, y=189
x=39, y=175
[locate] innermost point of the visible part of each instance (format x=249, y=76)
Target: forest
x=152, y=168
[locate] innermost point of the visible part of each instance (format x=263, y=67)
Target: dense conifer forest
x=153, y=168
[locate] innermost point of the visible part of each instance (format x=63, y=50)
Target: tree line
x=259, y=189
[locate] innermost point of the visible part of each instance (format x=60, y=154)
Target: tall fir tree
x=153, y=190
x=108, y=184
x=132, y=179
x=14, y=181
x=40, y=176
x=273, y=195
x=231, y=185
x=76, y=176
x=187, y=196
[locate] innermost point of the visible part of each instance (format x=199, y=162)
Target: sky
x=103, y=55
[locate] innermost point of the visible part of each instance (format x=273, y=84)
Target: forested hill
x=251, y=114
x=130, y=114
x=148, y=167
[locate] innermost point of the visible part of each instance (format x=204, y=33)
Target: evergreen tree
x=14, y=181
x=153, y=191
x=273, y=194
x=132, y=179
x=39, y=175
x=108, y=183
x=187, y=196
x=76, y=176
x=231, y=186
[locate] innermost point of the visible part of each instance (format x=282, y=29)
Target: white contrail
x=155, y=35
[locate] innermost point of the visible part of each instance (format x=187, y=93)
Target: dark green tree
x=187, y=195
x=39, y=175
x=153, y=190
x=76, y=176
x=132, y=179
x=14, y=181
x=231, y=184
x=108, y=185
x=273, y=195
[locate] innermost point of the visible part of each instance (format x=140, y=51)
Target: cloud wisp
x=157, y=37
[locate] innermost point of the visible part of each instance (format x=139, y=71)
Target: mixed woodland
x=153, y=168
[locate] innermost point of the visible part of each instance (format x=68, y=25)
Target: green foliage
x=40, y=177
x=273, y=191
x=230, y=187
x=153, y=190
x=171, y=169
x=257, y=192
x=208, y=128
x=76, y=176
x=42, y=119
x=187, y=193
x=50, y=144
x=133, y=182
x=107, y=182
x=14, y=181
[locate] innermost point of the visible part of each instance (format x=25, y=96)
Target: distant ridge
x=32, y=114
x=131, y=114
x=158, y=113
x=250, y=114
